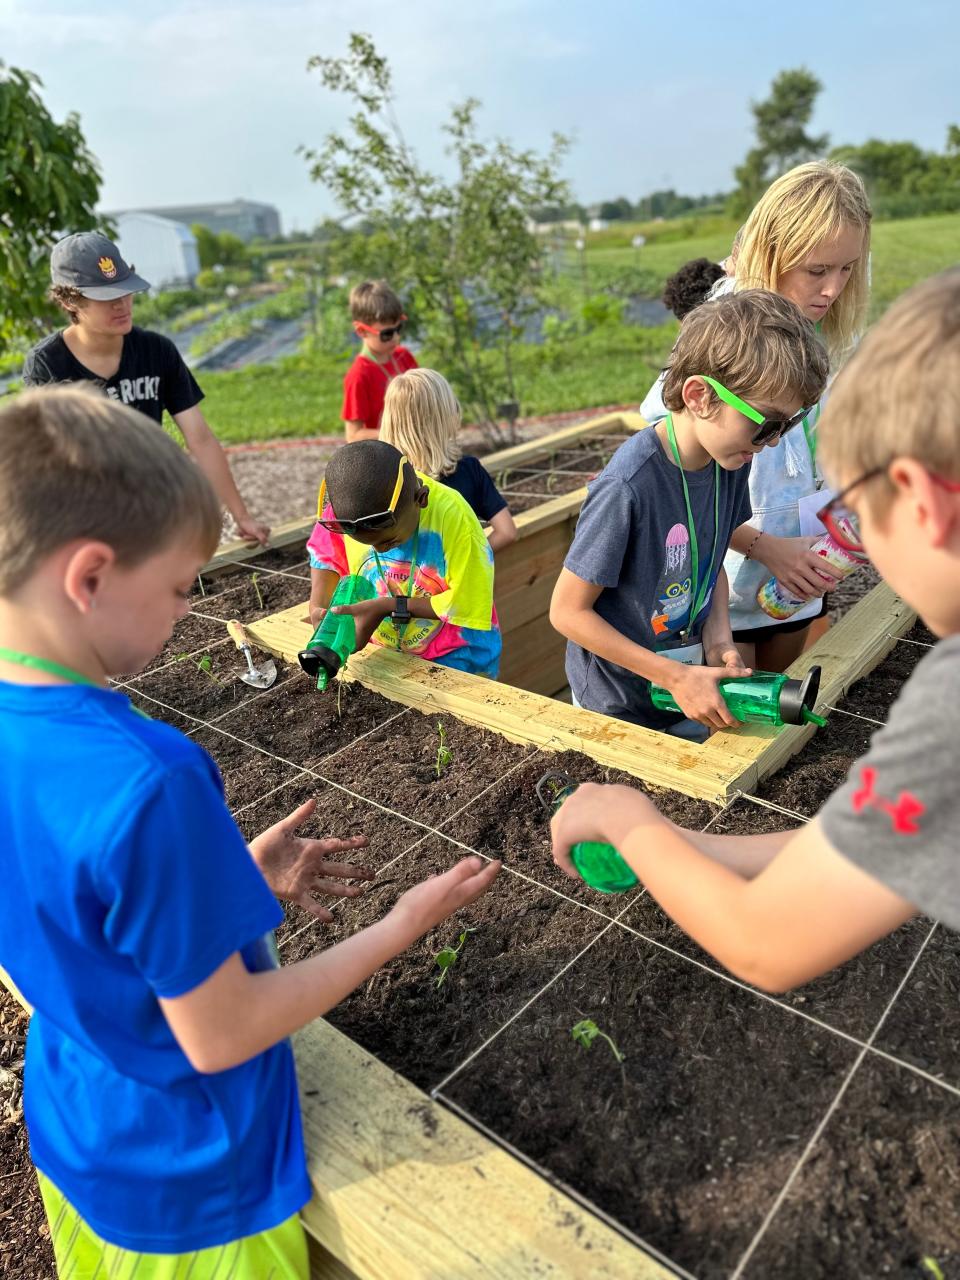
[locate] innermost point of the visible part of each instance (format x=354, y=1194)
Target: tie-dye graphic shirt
x=454, y=567
x=632, y=540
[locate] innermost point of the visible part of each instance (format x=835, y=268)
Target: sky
x=190, y=101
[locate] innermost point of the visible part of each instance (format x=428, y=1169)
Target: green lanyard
x=401, y=628
x=810, y=434
x=699, y=588
x=55, y=669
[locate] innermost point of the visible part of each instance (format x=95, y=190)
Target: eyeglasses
x=382, y=520
x=384, y=335
x=770, y=429
x=843, y=525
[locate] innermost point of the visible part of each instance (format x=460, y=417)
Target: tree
x=781, y=138
x=460, y=252
x=225, y=249
x=51, y=185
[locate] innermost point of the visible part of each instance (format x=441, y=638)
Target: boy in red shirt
x=378, y=318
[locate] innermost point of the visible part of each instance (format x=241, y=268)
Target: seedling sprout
x=933, y=1266
x=586, y=1031
x=444, y=754
x=203, y=663
x=253, y=582
x=448, y=956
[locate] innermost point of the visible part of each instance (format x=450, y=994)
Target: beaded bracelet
x=755, y=540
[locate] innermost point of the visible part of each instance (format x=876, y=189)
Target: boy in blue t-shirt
x=642, y=596
x=160, y=1094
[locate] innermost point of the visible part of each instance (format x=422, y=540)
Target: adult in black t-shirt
x=95, y=287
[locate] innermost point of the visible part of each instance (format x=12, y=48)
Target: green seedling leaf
x=444, y=754
x=586, y=1031
x=448, y=956
x=204, y=664
x=933, y=1266
x=253, y=582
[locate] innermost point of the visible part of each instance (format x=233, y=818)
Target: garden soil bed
x=793, y=1136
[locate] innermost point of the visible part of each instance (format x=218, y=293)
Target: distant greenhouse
x=164, y=252
x=244, y=218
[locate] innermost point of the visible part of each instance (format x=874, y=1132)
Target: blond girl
x=808, y=239
x=421, y=418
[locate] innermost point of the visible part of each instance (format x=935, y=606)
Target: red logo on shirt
x=903, y=812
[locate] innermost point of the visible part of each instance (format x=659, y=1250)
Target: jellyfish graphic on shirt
x=673, y=589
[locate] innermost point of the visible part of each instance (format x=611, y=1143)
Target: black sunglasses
x=384, y=334
x=768, y=429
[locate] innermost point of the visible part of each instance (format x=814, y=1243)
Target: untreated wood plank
x=406, y=1190
x=284, y=535
x=517, y=714
x=534, y=657
x=846, y=653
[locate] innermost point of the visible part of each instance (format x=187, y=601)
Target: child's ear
x=84, y=573
x=421, y=496
x=935, y=509
x=697, y=397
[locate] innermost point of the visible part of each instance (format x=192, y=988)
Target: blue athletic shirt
x=125, y=878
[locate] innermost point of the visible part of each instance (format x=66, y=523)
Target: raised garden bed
x=459, y=1129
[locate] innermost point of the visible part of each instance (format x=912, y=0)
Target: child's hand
x=296, y=868
x=425, y=905
x=317, y=615
x=367, y=616
x=726, y=654
x=590, y=813
x=796, y=567
x=696, y=694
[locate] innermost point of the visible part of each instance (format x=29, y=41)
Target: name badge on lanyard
x=691, y=655
x=699, y=588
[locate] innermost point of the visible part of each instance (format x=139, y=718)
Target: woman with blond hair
x=808, y=239
x=421, y=418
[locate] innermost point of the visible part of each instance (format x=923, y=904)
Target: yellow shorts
x=277, y=1254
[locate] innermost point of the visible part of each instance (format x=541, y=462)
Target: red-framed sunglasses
x=843, y=525
x=384, y=335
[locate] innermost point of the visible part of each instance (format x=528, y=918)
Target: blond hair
x=374, y=302
x=900, y=393
x=758, y=344
x=809, y=204
x=421, y=417
x=76, y=464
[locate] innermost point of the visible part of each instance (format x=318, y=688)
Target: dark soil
x=25, y=1252
x=557, y=473
x=688, y=1143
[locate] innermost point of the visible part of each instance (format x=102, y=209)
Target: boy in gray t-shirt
x=779, y=909
x=642, y=597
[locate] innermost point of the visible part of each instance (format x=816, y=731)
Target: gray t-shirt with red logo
x=897, y=816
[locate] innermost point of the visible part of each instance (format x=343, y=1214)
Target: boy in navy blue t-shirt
x=160, y=1094
x=642, y=596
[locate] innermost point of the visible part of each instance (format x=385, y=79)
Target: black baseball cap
x=88, y=261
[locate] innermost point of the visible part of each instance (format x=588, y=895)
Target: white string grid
x=864, y=1047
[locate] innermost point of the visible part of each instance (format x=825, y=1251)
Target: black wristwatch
x=401, y=610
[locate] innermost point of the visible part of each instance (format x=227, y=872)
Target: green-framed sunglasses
x=768, y=429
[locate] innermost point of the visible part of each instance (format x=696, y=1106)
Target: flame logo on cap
x=107, y=267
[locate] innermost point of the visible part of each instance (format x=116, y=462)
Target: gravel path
x=279, y=480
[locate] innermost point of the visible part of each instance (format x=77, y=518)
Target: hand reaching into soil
x=426, y=904
x=296, y=868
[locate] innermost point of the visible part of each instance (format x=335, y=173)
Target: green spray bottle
x=336, y=637
x=599, y=865
x=765, y=697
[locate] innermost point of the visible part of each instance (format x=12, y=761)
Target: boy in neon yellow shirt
x=421, y=547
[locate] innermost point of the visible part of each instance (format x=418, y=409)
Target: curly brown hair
x=68, y=299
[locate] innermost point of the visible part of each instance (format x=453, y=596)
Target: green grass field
x=903, y=252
